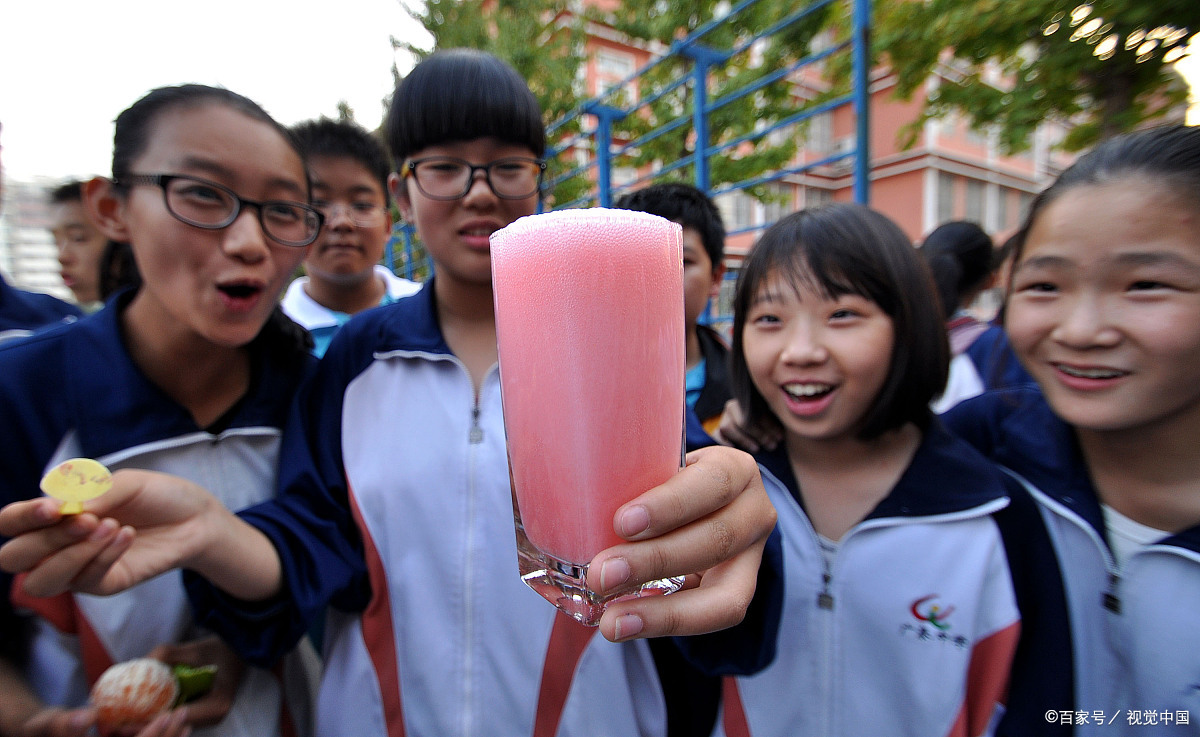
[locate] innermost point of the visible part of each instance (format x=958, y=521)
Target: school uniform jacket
x=21, y=312
x=74, y=392
x=716, y=392
x=928, y=605
x=322, y=322
x=397, y=509
x=1136, y=630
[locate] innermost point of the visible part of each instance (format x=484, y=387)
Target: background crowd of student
x=393, y=526
x=1032, y=551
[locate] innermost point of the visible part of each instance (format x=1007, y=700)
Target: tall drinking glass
x=589, y=318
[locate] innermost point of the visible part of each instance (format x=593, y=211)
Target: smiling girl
x=1104, y=312
x=917, y=578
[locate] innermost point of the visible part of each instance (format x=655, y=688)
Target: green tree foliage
x=543, y=39
x=745, y=118
x=1105, y=66
x=540, y=38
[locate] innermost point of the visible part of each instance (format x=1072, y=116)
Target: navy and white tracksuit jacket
x=1137, y=629
x=396, y=509
x=74, y=391
x=940, y=614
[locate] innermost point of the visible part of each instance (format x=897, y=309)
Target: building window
x=623, y=176
x=737, y=210
x=945, y=197
x=976, y=191
x=816, y=196
x=781, y=135
x=613, y=67
x=820, y=133
x=779, y=203
x=975, y=137
x=947, y=126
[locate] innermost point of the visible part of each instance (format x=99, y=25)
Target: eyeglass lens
x=363, y=214
x=451, y=178
x=208, y=206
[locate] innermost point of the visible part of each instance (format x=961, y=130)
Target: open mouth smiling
x=807, y=391
x=1083, y=372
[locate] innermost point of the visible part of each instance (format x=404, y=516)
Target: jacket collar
x=410, y=324
x=716, y=389
x=1041, y=448
x=945, y=476
x=115, y=406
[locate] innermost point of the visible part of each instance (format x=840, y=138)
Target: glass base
x=564, y=584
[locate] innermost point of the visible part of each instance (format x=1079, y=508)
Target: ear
x=106, y=209
x=718, y=274
x=399, y=192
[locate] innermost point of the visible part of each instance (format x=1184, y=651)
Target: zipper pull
x=1110, y=600
x=476, y=435
x=825, y=599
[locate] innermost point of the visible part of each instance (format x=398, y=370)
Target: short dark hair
x=344, y=139
x=684, y=204
x=118, y=269
x=961, y=257
x=1169, y=155
x=841, y=249
x=460, y=95
x=69, y=191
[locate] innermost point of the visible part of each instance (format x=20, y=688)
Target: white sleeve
x=964, y=382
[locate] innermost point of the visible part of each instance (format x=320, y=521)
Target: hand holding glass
x=589, y=319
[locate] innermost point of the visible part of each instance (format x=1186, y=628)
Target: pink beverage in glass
x=589, y=318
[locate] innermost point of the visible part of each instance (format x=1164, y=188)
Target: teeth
x=478, y=232
x=807, y=390
x=1097, y=373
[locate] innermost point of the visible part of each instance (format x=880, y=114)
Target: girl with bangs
x=917, y=578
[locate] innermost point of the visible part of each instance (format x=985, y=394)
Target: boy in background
x=343, y=274
x=23, y=312
x=707, y=387
x=707, y=380
x=80, y=244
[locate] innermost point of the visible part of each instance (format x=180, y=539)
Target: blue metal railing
x=599, y=114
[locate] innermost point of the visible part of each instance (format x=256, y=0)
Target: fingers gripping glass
x=213, y=206
x=447, y=178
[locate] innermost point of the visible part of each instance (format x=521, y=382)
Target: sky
x=68, y=67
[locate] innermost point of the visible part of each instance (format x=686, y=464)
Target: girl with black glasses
x=189, y=374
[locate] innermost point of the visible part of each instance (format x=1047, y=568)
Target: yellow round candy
x=75, y=481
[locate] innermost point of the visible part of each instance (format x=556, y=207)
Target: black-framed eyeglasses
x=213, y=206
x=448, y=178
x=362, y=214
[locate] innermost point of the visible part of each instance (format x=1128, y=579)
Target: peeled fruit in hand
x=136, y=691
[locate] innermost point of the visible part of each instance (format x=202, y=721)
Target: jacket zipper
x=476, y=435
